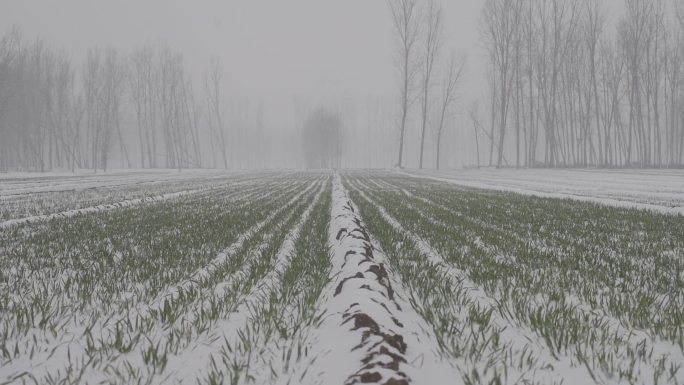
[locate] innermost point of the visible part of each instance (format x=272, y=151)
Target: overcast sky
x=268, y=47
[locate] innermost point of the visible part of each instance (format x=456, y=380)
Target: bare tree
x=177, y=111
x=433, y=38
x=10, y=54
x=473, y=113
x=501, y=25
x=116, y=73
x=169, y=88
x=213, y=85
x=64, y=119
x=76, y=115
x=593, y=29
x=477, y=126
x=557, y=22
x=634, y=43
x=92, y=73
x=454, y=73
x=406, y=20
x=676, y=82
x=612, y=68
x=321, y=140
x=194, y=114
x=143, y=85
x=104, y=81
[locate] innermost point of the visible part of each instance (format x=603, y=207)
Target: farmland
x=338, y=278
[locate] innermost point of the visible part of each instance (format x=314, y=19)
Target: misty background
x=280, y=63
x=287, y=56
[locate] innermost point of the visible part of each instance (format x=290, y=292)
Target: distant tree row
x=145, y=109
x=566, y=86
x=57, y=115
x=142, y=109
x=568, y=89
x=426, y=76
x=322, y=140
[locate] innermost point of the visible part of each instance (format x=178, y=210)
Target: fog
x=279, y=53
x=282, y=60
x=269, y=47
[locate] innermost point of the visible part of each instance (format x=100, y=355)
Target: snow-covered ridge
x=371, y=334
x=365, y=295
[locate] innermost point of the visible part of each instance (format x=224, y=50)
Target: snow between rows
x=201, y=275
x=193, y=361
x=634, y=337
x=520, y=339
x=62, y=348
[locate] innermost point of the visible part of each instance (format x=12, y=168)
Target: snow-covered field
x=341, y=278
x=26, y=196
x=659, y=190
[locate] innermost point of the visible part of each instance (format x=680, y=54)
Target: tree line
x=147, y=109
x=569, y=88
x=55, y=114
x=427, y=76
x=566, y=86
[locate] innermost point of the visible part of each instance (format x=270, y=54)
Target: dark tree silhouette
x=321, y=140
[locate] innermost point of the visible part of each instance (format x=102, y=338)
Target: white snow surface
x=659, y=191
x=13, y=184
